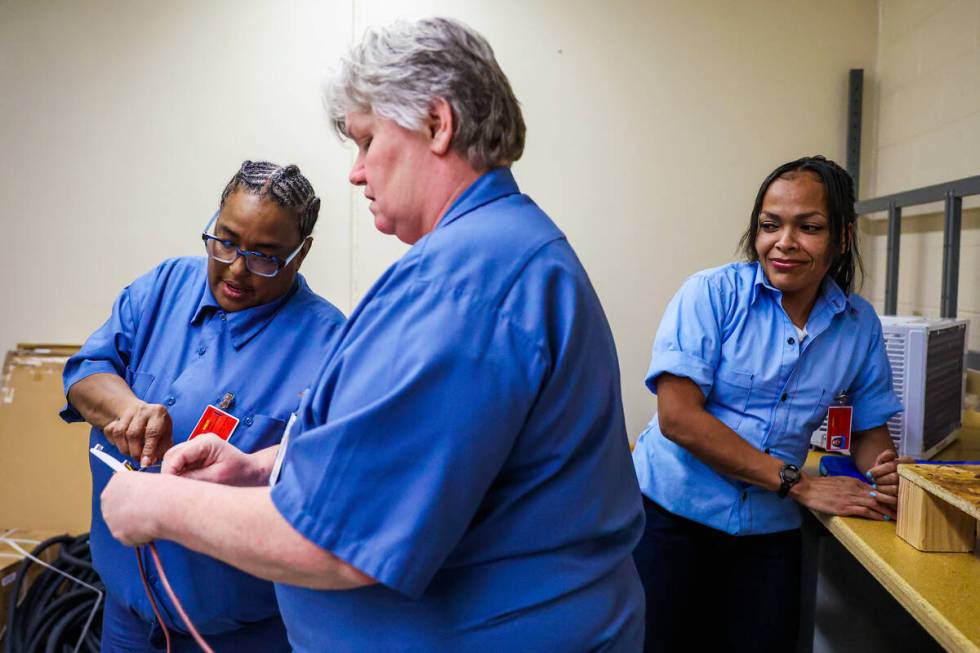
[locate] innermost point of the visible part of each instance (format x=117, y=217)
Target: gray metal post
x=891, y=268
x=855, y=96
x=951, y=254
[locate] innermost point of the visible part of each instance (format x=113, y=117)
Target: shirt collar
x=830, y=292
x=245, y=324
x=490, y=186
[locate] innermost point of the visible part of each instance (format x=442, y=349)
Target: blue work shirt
x=726, y=330
x=466, y=447
x=174, y=345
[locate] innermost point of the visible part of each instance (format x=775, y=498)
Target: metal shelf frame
x=951, y=193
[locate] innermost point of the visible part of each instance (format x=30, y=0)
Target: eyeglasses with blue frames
x=225, y=251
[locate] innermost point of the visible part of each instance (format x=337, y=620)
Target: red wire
x=173, y=599
x=149, y=594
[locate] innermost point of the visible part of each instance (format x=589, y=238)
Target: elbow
x=315, y=568
x=672, y=426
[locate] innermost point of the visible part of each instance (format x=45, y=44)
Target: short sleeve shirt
x=726, y=330
x=466, y=448
x=174, y=345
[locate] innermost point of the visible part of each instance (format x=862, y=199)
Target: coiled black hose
x=53, y=615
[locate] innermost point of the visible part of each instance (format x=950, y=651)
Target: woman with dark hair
x=226, y=342
x=746, y=362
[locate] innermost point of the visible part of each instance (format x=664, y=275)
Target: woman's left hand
x=884, y=473
x=128, y=506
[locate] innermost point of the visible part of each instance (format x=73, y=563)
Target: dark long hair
x=842, y=220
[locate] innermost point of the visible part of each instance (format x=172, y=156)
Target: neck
x=454, y=177
x=798, y=305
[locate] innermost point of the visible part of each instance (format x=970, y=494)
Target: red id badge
x=839, y=428
x=214, y=420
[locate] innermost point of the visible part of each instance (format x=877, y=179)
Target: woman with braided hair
x=227, y=344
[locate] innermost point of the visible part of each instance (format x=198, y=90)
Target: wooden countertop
x=941, y=590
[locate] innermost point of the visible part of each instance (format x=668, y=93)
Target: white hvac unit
x=928, y=359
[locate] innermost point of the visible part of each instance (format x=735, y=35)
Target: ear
x=307, y=244
x=440, y=126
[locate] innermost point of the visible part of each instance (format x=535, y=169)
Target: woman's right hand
x=842, y=495
x=142, y=431
x=209, y=458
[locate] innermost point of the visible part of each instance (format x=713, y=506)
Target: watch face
x=790, y=474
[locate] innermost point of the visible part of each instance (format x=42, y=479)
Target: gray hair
x=285, y=185
x=399, y=70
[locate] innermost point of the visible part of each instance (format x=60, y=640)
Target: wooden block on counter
x=938, y=506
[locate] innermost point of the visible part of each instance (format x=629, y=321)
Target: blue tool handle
x=841, y=466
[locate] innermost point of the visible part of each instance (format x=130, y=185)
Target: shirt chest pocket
x=256, y=431
x=730, y=396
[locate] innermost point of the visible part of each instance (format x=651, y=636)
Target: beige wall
x=927, y=77
x=650, y=126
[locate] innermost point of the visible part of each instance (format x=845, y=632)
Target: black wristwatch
x=789, y=475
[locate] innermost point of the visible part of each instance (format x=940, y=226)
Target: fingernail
x=887, y=518
x=874, y=494
x=874, y=485
x=868, y=474
x=145, y=462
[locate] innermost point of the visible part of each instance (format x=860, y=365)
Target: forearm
x=866, y=446
x=100, y=398
x=250, y=534
x=715, y=444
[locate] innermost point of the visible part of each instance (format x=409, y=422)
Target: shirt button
x=784, y=397
x=248, y=421
x=201, y=350
x=791, y=341
x=222, y=316
x=171, y=400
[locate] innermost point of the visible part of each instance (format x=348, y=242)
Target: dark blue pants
x=708, y=590
x=124, y=631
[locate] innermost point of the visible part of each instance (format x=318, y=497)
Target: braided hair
x=842, y=220
x=284, y=184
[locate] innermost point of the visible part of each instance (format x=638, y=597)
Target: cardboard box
x=45, y=483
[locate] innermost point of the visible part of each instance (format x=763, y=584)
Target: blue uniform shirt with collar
x=726, y=330
x=175, y=346
x=466, y=448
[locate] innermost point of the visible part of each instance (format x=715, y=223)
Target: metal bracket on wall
x=855, y=97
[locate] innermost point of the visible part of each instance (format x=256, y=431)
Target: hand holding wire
x=142, y=431
x=210, y=458
x=127, y=506
x=129, y=522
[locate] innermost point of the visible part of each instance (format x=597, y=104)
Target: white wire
x=88, y=623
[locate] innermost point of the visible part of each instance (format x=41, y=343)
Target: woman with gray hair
x=461, y=470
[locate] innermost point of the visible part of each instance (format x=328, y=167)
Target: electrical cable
x=58, y=612
x=149, y=595
x=173, y=599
